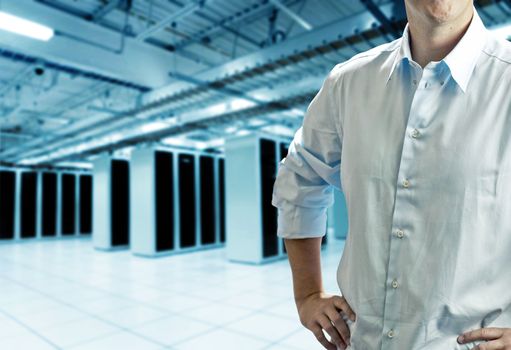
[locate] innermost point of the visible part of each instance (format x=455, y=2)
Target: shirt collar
x=461, y=60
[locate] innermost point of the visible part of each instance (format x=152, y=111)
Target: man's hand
x=497, y=338
x=320, y=311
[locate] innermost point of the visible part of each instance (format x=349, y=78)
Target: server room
x=255, y=174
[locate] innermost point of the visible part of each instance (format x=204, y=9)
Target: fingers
x=320, y=336
x=342, y=304
x=489, y=333
x=339, y=324
x=492, y=345
x=326, y=316
x=335, y=337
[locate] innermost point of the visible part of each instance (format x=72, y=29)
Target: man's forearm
x=305, y=259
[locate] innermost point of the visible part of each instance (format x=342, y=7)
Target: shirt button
x=415, y=133
x=394, y=284
x=406, y=183
x=414, y=82
x=400, y=233
x=426, y=84
x=390, y=333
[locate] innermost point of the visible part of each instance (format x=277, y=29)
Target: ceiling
x=185, y=73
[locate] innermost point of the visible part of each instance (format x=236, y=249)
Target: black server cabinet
x=85, y=204
x=28, y=204
x=207, y=199
x=221, y=197
x=49, y=205
x=187, y=215
x=284, y=148
x=120, y=202
x=7, y=204
x=268, y=158
x=164, y=197
x=68, y=204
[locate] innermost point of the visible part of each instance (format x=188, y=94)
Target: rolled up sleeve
x=303, y=189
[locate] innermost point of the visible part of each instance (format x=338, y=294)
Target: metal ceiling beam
x=111, y=26
x=222, y=25
x=332, y=32
x=140, y=63
x=204, y=123
x=105, y=10
x=261, y=97
x=18, y=57
x=221, y=89
x=179, y=14
x=15, y=135
x=383, y=18
x=291, y=14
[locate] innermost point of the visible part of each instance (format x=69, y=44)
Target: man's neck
x=432, y=41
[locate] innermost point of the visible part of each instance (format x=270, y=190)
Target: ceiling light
x=113, y=138
x=25, y=27
x=241, y=104
x=82, y=165
x=297, y=112
x=154, y=126
x=174, y=141
x=230, y=129
x=243, y=132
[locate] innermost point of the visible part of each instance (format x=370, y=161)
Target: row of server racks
x=44, y=204
x=161, y=201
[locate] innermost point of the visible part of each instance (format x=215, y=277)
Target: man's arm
x=317, y=310
x=302, y=192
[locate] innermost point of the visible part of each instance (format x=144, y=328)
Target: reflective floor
x=65, y=295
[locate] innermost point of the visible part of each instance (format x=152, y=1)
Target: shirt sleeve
x=303, y=188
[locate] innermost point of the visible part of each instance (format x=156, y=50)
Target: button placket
x=406, y=186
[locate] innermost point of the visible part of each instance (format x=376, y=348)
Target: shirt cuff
x=301, y=222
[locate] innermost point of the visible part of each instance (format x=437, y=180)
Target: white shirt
x=423, y=157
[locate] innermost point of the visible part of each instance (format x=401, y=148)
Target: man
x=419, y=132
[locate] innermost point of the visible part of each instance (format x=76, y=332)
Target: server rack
x=111, y=209
x=7, y=204
x=164, y=201
x=284, y=149
x=85, y=190
x=49, y=204
x=119, y=209
x=207, y=199
x=268, y=170
x=178, y=201
x=187, y=196
x=251, y=220
x=68, y=207
x=28, y=204
x=221, y=198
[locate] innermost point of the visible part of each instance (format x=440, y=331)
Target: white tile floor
x=65, y=295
